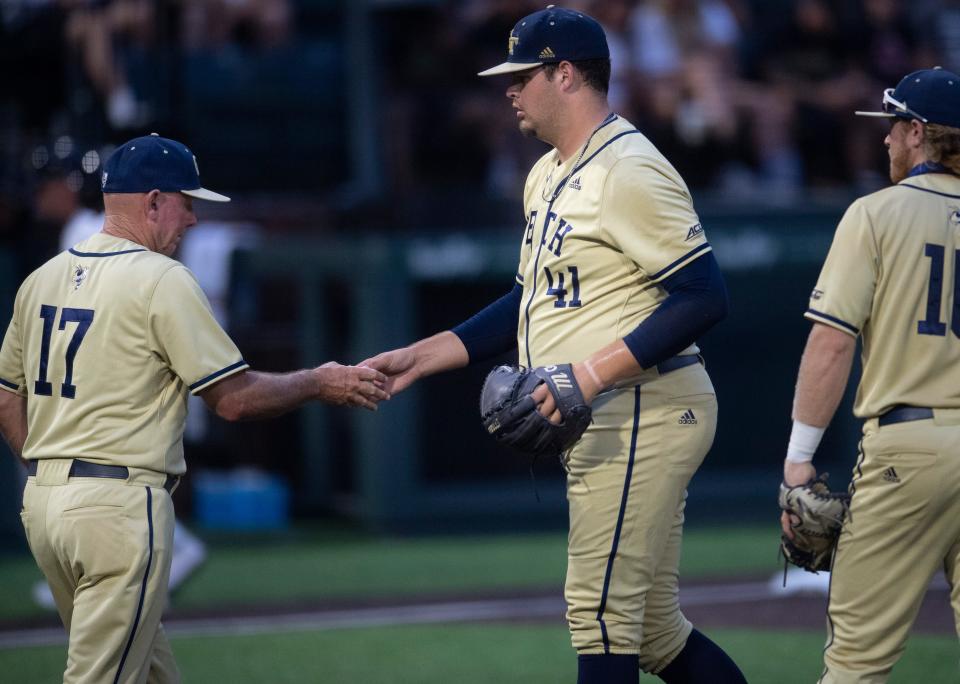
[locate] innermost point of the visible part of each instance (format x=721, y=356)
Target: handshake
x=539, y=411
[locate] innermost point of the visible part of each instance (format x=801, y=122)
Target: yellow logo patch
x=546, y=53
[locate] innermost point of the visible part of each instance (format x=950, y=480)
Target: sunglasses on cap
x=893, y=106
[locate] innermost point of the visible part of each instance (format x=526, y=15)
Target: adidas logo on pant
x=890, y=475
x=688, y=418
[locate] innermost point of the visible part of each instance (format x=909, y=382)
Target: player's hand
x=794, y=474
x=398, y=366
x=547, y=405
x=351, y=385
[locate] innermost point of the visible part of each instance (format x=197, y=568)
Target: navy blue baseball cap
x=550, y=36
x=928, y=95
x=155, y=163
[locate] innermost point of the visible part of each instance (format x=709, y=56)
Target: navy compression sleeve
x=493, y=330
x=696, y=301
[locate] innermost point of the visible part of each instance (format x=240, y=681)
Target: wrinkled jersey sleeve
x=647, y=212
x=184, y=332
x=11, y=356
x=843, y=297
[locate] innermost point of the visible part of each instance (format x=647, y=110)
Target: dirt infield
x=751, y=603
x=804, y=611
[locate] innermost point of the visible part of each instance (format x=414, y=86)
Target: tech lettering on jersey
x=546, y=227
x=530, y=224
x=562, y=229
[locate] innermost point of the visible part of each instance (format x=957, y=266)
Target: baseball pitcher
x=615, y=282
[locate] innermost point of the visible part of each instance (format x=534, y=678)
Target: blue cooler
x=241, y=499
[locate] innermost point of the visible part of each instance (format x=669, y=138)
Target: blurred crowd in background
x=327, y=115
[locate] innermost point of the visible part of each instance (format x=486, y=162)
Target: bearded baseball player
x=891, y=278
x=616, y=280
x=106, y=341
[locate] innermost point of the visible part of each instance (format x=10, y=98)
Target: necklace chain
x=583, y=150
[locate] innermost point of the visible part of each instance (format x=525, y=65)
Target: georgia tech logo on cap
x=511, y=43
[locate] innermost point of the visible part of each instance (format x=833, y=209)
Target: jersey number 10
x=83, y=318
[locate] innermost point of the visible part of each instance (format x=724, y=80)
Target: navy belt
x=904, y=414
x=80, y=468
x=678, y=362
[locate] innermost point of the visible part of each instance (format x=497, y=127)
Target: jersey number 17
x=83, y=318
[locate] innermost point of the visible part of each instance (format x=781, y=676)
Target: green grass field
x=309, y=564
x=468, y=654
x=312, y=565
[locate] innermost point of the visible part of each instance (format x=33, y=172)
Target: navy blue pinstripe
x=932, y=192
x=220, y=372
x=851, y=328
x=623, y=509
x=143, y=587
x=858, y=470
x=533, y=290
x=104, y=254
x=699, y=248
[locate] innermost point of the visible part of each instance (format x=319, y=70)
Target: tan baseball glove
x=816, y=516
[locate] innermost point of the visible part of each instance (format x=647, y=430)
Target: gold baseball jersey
x=892, y=277
x=603, y=228
x=106, y=340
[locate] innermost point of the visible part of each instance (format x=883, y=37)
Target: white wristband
x=804, y=440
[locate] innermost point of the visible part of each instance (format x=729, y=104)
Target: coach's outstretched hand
x=351, y=385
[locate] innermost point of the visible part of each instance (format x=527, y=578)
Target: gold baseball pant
x=104, y=546
x=626, y=484
x=904, y=524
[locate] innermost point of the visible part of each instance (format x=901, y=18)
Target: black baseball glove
x=816, y=527
x=511, y=416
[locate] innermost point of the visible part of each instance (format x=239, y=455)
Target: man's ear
x=916, y=132
x=567, y=73
x=151, y=204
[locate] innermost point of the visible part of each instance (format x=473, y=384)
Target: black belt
x=677, y=362
x=80, y=468
x=904, y=414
